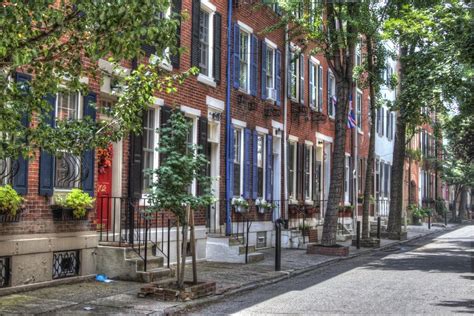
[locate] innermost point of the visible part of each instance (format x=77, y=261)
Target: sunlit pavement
x=434, y=277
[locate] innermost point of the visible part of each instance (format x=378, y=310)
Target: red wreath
x=104, y=156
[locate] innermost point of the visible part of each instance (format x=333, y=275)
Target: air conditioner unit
x=271, y=93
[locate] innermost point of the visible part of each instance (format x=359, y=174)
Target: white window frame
x=80, y=114
x=333, y=92
x=294, y=57
x=359, y=110
x=313, y=71
x=164, y=62
x=241, y=160
x=347, y=182
x=210, y=9
x=264, y=161
x=245, y=30
x=272, y=47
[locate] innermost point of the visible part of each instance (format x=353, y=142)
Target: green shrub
x=417, y=211
x=78, y=201
x=10, y=200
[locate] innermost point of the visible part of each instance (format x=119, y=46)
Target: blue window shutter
x=247, y=137
x=253, y=64
x=236, y=56
x=87, y=170
x=278, y=76
x=230, y=163
x=320, y=88
x=46, y=169
x=263, y=77
x=301, y=66
x=269, y=168
x=254, y=166
x=20, y=178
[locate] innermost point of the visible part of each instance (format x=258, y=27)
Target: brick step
x=153, y=275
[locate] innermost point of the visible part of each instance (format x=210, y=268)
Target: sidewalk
x=120, y=297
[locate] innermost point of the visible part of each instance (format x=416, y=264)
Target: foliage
x=440, y=206
x=417, y=211
x=62, y=43
x=240, y=201
x=304, y=228
x=265, y=204
x=183, y=164
x=78, y=200
x=10, y=200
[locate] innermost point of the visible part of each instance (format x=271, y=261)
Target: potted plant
x=240, y=204
x=10, y=204
x=417, y=213
x=263, y=206
x=76, y=202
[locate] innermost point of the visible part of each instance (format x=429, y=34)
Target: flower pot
x=241, y=209
x=6, y=217
x=61, y=213
x=417, y=221
x=260, y=209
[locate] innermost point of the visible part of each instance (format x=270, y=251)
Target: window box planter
x=241, y=209
x=61, y=213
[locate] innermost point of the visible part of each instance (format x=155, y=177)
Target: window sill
x=206, y=80
x=166, y=66
x=293, y=202
x=360, y=131
x=332, y=117
x=244, y=91
x=308, y=202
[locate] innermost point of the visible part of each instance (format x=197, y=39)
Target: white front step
x=221, y=249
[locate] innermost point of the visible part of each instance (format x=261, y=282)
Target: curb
x=292, y=273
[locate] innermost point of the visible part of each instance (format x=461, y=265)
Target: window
x=359, y=110
x=358, y=59
x=244, y=61
x=67, y=169
x=294, y=71
x=149, y=141
x=5, y=171
x=347, y=175
x=238, y=163
x=270, y=73
x=260, y=164
x=292, y=170
x=387, y=180
x=308, y=158
x=204, y=47
x=361, y=175
x=331, y=95
x=377, y=178
x=314, y=86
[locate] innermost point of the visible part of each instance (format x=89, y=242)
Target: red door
x=104, y=187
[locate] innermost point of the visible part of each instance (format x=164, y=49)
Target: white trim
x=360, y=91
x=113, y=69
x=158, y=101
x=347, y=154
x=206, y=80
x=261, y=130
x=190, y=111
x=308, y=142
x=292, y=138
x=214, y=103
x=323, y=137
x=245, y=27
x=239, y=123
x=270, y=44
x=209, y=6
x=315, y=60
x=276, y=124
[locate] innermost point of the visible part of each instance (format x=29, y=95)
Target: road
x=422, y=277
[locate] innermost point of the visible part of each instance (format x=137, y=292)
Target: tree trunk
x=177, y=253
x=184, y=248
x=337, y=170
x=369, y=172
x=193, y=245
x=462, y=204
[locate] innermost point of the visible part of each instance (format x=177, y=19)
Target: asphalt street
x=429, y=276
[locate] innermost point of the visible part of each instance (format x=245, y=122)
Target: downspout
x=228, y=222
x=285, y=121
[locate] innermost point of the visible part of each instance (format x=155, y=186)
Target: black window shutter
x=176, y=9
x=135, y=172
x=46, y=169
x=203, y=144
x=217, y=47
x=88, y=158
x=20, y=175
x=195, y=33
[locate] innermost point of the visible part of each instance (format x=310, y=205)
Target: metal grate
x=65, y=264
x=4, y=272
x=261, y=240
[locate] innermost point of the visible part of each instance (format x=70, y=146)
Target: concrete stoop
x=293, y=239
x=228, y=249
x=123, y=263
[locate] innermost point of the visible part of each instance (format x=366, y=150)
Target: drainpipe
x=228, y=122
x=285, y=107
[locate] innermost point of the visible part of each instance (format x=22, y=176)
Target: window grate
x=4, y=272
x=66, y=264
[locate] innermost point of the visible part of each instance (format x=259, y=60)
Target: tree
x=335, y=37
x=182, y=163
x=427, y=34
x=60, y=43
